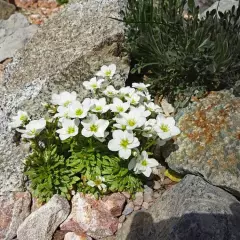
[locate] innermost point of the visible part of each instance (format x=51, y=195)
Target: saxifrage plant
x=99, y=145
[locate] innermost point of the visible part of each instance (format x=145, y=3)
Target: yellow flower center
x=97, y=182
x=120, y=109
x=23, y=118
x=93, y=128
x=144, y=163
x=66, y=103
x=98, y=108
x=79, y=112
x=164, y=127
x=124, y=143
x=70, y=130
x=94, y=85
x=108, y=73
x=131, y=122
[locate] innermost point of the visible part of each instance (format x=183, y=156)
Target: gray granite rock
x=14, y=208
x=6, y=9
x=68, y=49
x=191, y=210
x=209, y=143
x=14, y=33
x=41, y=224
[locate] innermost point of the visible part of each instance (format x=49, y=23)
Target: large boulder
x=42, y=223
x=6, y=10
x=65, y=51
x=209, y=143
x=191, y=210
x=14, y=33
x=14, y=208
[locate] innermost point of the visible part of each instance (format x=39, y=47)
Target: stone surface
x=90, y=216
x=68, y=49
x=128, y=208
x=147, y=194
x=74, y=236
x=6, y=10
x=14, y=33
x=14, y=208
x=138, y=199
x=221, y=6
x=145, y=205
x=42, y=223
x=122, y=219
x=209, y=143
x=192, y=209
x=115, y=203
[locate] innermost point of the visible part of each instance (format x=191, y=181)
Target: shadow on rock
x=190, y=226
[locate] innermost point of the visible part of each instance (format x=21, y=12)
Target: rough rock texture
x=42, y=223
x=115, y=203
x=192, y=209
x=67, y=50
x=14, y=33
x=74, y=236
x=6, y=10
x=222, y=6
x=90, y=216
x=209, y=143
x=14, y=208
x=36, y=3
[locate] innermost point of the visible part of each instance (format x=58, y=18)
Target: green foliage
x=58, y=167
x=183, y=56
x=61, y=2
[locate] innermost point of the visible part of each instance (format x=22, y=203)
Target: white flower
x=63, y=112
x=123, y=142
x=131, y=120
x=33, y=128
x=134, y=99
x=93, y=84
x=165, y=127
x=79, y=110
x=99, y=105
x=110, y=91
x=141, y=110
x=92, y=126
x=152, y=107
x=98, y=182
x=69, y=128
x=141, y=86
x=107, y=71
x=64, y=98
x=148, y=130
x=20, y=120
x=126, y=92
x=119, y=106
x=143, y=164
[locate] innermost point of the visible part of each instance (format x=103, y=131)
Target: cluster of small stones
x=144, y=200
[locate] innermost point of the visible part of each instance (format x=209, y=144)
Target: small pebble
x=148, y=194
x=136, y=208
x=122, y=219
x=138, y=199
x=156, y=195
x=126, y=194
x=120, y=226
x=167, y=181
x=128, y=208
x=156, y=185
x=145, y=205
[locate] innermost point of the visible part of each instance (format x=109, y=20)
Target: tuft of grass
x=180, y=54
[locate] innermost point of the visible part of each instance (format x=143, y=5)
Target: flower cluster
x=126, y=120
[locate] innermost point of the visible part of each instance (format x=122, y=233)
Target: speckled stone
x=191, y=210
x=209, y=143
x=67, y=50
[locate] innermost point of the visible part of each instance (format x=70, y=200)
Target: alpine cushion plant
x=99, y=145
